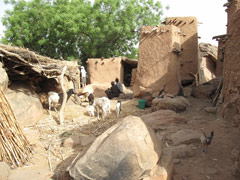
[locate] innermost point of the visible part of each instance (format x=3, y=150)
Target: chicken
x=205, y=140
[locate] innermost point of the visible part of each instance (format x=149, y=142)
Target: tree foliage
x=79, y=29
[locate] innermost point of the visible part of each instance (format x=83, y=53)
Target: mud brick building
x=189, y=44
x=231, y=72
x=158, y=62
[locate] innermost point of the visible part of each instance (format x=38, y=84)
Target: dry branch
x=61, y=79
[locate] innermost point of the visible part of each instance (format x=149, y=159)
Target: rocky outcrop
x=177, y=104
x=3, y=79
x=185, y=136
x=207, y=62
x=162, y=118
x=25, y=104
x=125, y=151
x=206, y=90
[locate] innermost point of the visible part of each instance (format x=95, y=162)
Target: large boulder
x=3, y=78
x=163, y=170
x=206, y=90
x=25, y=104
x=177, y=104
x=125, y=151
x=207, y=62
x=185, y=136
x=162, y=117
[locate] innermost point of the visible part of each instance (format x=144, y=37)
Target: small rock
x=211, y=110
x=85, y=140
x=71, y=142
x=211, y=171
x=176, y=161
x=181, y=151
x=185, y=136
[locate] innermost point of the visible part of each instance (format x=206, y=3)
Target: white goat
x=104, y=104
x=91, y=111
x=118, y=109
x=53, y=99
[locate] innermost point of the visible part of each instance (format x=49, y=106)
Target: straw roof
x=21, y=63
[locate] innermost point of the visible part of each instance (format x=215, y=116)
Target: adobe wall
x=189, y=43
x=231, y=72
x=103, y=71
x=157, y=63
x=221, y=49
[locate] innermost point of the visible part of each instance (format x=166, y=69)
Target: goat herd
x=95, y=104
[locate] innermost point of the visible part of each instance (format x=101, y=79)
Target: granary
x=105, y=70
x=158, y=61
x=168, y=54
x=189, y=44
x=36, y=70
x=221, y=50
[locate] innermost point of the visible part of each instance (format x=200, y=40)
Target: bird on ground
x=206, y=140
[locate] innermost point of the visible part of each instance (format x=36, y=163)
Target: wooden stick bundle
x=14, y=147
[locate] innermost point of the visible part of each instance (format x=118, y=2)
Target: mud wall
x=231, y=72
x=220, y=58
x=189, y=43
x=157, y=63
x=103, y=71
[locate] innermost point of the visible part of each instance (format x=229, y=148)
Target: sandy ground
x=215, y=165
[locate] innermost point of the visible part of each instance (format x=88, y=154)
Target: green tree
x=79, y=29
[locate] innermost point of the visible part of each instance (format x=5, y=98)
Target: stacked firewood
x=14, y=147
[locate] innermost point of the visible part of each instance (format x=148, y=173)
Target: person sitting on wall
x=119, y=85
x=113, y=91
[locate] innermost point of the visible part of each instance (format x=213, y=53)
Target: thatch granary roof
x=21, y=63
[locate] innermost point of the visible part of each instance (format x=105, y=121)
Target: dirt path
x=217, y=163
x=214, y=165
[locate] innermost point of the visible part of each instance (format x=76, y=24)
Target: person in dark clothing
x=119, y=85
x=113, y=91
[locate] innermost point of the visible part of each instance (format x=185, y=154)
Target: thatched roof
x=21, y=63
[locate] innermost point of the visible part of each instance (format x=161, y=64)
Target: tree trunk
x=61, y=79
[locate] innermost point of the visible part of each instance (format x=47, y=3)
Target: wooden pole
x=61, y=79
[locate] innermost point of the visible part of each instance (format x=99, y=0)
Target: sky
x=211, y=16
x=210, y=13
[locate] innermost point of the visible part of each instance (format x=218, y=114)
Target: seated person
x=119, y=85
x=113, y=91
